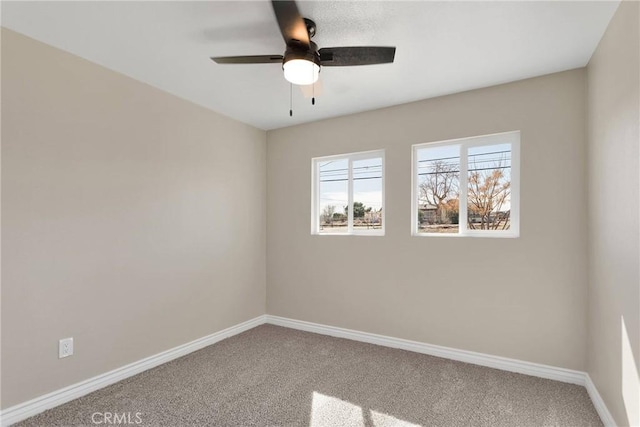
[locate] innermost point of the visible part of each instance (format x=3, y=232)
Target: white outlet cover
x=65, y=347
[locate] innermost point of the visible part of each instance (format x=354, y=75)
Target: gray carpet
x=273, y=376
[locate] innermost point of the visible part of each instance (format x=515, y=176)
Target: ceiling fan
x=302, y=59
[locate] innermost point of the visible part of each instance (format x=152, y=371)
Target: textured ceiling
x=442, y=48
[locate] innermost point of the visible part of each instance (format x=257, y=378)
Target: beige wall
x=123, y=227
x=523, y=298
x=132, y=220
x=614, y=236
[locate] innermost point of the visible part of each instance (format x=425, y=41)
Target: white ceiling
x=442, y=48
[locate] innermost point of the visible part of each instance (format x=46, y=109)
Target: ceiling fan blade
x=292, y=26
x=357, y=55
x=251, y=59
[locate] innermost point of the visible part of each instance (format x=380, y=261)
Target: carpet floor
x=274, y=376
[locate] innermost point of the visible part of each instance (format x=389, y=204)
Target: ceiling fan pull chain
x=313, y=90
x=290, y=99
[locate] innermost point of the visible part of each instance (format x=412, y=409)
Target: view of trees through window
x=439, y=189
x=487, y=185
x=467, y=186
x=334, y=203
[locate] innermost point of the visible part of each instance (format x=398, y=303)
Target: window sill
x=373, y=233
x=472, y=235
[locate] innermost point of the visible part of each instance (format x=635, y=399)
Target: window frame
x=511, y=137
x=315, y=193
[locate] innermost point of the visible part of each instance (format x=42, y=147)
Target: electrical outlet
x=65, y=347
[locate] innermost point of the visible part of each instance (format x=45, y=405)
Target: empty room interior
x=320, y=213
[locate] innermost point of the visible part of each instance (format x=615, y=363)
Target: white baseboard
x=32, y=407
x=27, y=409
x=601, y=408
x=497, y=362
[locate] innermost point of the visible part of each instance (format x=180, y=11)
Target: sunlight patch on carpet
x=385, y=420
x=329, y=411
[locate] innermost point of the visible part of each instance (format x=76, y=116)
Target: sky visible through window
x=334, y=193
x=492, y=158
x=488, y=187
x=367, y=183
x=439, y=187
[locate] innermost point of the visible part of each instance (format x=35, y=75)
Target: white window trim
x=512, y=138
x=315, y=193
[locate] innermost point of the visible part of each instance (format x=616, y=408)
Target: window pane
x=438, y=189
x=367, y=194
x=334, y=187
x=489, y=192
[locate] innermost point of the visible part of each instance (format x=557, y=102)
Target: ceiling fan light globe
x=301, y=71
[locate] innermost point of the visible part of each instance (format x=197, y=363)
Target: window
x=348, y=194
x=467, y=187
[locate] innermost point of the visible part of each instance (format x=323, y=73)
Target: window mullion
x=350, y=197
x=315, y=191
x=464, y=189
